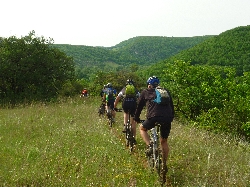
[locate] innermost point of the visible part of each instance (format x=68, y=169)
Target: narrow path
x=140, y=147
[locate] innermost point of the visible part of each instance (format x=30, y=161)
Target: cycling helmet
x=130, y=81
x=153, y=81
x=109, y=85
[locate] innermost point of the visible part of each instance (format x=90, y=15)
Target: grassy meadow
x=67, y=144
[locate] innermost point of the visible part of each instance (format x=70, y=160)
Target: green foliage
x=210, y=82
x=126, y=55
x=118, y=80
x=230, y=48
x=31, y=69
x=246, y=128
x=211, y=96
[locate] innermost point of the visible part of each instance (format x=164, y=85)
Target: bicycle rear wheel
x=110, y=122
x=158, y=162
x=110, y=118
x=127, y=134
x=130, y=141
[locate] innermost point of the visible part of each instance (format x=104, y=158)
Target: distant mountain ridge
x=230, y=48
x=141, y=50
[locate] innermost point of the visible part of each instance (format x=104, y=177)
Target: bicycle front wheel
x=158, y=161
x=127, y=135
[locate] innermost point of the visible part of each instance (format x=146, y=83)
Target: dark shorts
x=111, y=104
x=165, y=125
x=129, y=107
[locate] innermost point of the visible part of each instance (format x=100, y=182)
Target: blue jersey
x=110, y=94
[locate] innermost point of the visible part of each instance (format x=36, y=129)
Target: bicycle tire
x=131, y=141
x=110, y=122
x=127, y=134
x=159, y=162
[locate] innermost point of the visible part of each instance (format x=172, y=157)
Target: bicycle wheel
x=131, y=139
x=101, y=110
x=158, y=159
x=110, y=118
x=158, y=162
x=111, y=121
x=127, y=134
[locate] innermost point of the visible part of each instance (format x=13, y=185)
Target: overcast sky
x=109, y=22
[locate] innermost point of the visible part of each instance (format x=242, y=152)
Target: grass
x=67, y=144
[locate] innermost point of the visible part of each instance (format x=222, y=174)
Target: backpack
x=162, y=96
x=109, y=94
x=130, y=91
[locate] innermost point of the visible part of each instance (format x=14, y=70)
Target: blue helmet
x=154, y=81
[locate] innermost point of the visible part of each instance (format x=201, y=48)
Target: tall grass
x=67, y=144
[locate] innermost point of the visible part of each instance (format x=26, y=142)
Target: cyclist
x=129, y=103
x=109, y=96
x=84, y=93
x=163, y=114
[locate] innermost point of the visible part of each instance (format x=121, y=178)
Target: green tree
x=30, y=69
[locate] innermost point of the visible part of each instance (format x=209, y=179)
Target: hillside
x=230, y=48
x=143, y=51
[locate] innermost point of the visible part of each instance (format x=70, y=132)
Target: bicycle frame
x=101, y=110
x=129, y=134
x=110, y=116
x=155, y=160
x=156, y=146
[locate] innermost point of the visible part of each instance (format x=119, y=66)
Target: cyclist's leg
x=165, y=150
x=111, y=104
x=132, y=112
x=125, y=119
x=145, y=126
x=165, y=130
x=133, y=123
x=125, y=111
x=125, y=114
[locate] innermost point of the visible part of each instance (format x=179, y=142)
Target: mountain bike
x=110, y=117
x=101, y=110
x=155, y=159
x=129, y=137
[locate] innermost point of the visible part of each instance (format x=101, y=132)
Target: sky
x=109, y=22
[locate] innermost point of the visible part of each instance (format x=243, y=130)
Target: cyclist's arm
x=116, y=101
x=104, y=97
x=118, y=98
x=141, y=104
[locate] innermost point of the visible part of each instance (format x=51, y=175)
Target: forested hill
x=143, y=51
x=230, y=48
